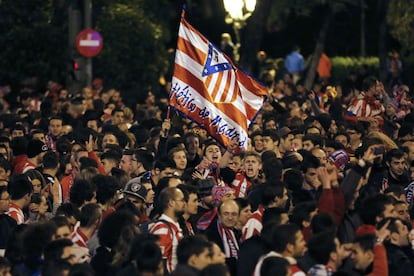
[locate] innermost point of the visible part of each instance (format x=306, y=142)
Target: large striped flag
x=209, y=89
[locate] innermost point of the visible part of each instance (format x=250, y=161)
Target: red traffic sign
x=89, y=43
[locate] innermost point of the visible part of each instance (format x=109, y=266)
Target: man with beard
x=397, y=170
x=399, y=263
x=35, y=151
x=168, y=229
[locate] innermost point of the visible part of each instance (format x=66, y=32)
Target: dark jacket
x=398, y=262
x=213, y=235
x=250, y=252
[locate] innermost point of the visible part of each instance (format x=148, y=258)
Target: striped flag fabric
x=209, y=89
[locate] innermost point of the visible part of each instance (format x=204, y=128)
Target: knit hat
x=135, y=188
x=218, y=193
x=36, y=147
x=340, y=158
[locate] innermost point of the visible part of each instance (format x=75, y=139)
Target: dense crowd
x=90, y=186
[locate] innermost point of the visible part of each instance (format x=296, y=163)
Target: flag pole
x=182, y=17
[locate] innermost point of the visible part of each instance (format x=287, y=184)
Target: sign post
x=89, y=44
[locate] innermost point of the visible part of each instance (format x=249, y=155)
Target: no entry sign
x=89, y=43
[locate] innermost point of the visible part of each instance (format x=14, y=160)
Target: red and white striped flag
x=209, y=89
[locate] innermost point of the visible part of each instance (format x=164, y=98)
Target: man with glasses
x=356, y=132
x=172, y=202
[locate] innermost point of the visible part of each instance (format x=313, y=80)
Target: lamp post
x=238, y=11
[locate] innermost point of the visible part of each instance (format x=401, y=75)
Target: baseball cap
x=135, y=187
x=36, y=147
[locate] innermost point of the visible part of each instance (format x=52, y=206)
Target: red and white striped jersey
x=168, y=241
x=253, y=225
x=16, y=213
x=241, y=185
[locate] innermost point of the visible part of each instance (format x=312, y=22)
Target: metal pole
x=73, y=29
x=88, y=24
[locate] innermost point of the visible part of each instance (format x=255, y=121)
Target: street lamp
x=238, y=11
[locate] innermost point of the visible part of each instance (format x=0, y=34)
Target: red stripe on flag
x=222, y=102
x=187, y=77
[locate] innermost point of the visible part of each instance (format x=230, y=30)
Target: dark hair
x=146, y=253
x=81, y=191
x=270, y=133
x=282, y=235
x=366, y=242
x=374, y=207
x=293, y=179
x=89, y=214
x=112, y=155
x=191, y=245
x=394, y=153
x=146, y=158
x=36, y=237
x=321, y=245
x=273, y=216
x=187, y=190
x=50, y=160
x=106, y=187
x=54, y=250
x=302, y=212
x=111, y=227
x=310, y=162
x=68, y=210
x=369, y=82
x=162, y=184
x=87, y=162
x=19, y=186
x=272, y=168
x=323, y=221
x=274, y=266
x=290, y=160
x=19, y=145
x=271, y=191
x=315, y=139
x=61, y=221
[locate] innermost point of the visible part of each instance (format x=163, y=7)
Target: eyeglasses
x=351, y=132
x=182, y=200
x=5, y=199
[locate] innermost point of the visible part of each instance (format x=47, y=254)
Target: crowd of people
x=90, y=186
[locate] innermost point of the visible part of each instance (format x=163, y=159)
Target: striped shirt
x=253, y=225
x=16, y=213
x=168, y=241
